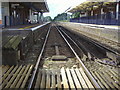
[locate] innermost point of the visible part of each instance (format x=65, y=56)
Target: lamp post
x=117, y=10
x=66, y=12
x=0, y=14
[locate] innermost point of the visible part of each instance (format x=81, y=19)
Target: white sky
x=59, y=6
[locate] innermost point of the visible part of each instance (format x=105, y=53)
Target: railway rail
x=94, y=50
x=94, y=83
x=59, y=65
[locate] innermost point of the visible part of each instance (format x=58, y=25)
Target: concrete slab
x=59, y=58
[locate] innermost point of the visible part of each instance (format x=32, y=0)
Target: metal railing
x=101, y=19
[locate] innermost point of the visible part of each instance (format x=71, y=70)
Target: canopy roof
x=40, y=6
x=37, y=5
x=87, y=6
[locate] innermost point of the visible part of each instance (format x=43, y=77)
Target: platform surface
x=26, y=27
x=100, y=26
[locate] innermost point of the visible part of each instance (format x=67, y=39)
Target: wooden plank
x=53, y=80
x=16, y=42
x=42, y=85
x=2, y=66
x=17, y=78
x=9, y=43
x=86, y=78
x=9, y=76
x=38, y=81
x=116, y=71
x=70, y=79
x=84, y=85
x=13, y=77
x=111, y=80
x=6, y=40
x=11, y=73
x=64, y=78
x=76, y=81
x=101, y=80
x=7, y=73
x=4, y=70
x=112, y=76
x=59, y=85
x=112, y=72
x=23, y=75
x=98, y=81
x=48, y=79
x=106, y=79
x=27, y=76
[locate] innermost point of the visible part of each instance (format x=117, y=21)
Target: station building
x=19, y=13
x=105, y=13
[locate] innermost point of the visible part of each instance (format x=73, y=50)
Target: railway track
x=59, y=66
x=58, y=59
x=94, y=50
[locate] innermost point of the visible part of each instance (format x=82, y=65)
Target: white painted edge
x=102, y=26
x=29, y=28
x=98, y=26
x=39, y=26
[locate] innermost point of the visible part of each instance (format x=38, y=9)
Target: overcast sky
x=59, y=6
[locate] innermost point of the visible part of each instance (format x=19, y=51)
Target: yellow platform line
x=27, y=27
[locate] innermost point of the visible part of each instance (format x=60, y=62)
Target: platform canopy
x=88, y=6
x=37, y=5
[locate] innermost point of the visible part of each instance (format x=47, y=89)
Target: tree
x=47, y=18
x=76, y=15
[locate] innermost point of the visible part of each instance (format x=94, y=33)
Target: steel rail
x=38, y=61
x=83, y=66
x=103, y=47
x=76, y=43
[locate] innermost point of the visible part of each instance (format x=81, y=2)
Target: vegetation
x=47, y=18
x=62, y=17
x=76, y=15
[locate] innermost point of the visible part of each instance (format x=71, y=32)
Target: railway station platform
x=16, y=41
x=36, y=68
x=56, y=55
x=26, y=27
x=22, y=13
x=21, y=26
x=105, y=34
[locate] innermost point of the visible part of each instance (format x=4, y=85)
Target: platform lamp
x=66, y=12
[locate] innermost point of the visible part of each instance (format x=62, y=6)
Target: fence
x=102, y=19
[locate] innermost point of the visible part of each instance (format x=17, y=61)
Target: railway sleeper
x=16, y=76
